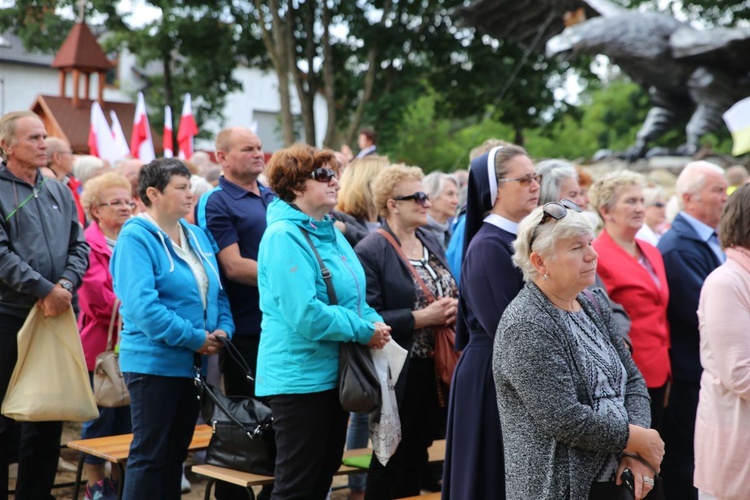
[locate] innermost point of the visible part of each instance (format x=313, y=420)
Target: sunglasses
x=526, y=180
x=324, y=174
x=554, y=210
x=420, y=197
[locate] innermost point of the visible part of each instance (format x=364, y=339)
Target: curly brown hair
x=289, y=168
x=734, y=228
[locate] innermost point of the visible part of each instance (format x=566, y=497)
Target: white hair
x=693, y=179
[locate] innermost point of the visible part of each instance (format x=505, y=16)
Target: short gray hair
x=572, y=225
x=434, y=183
x=553, y=173
x=652, y=194
x=692, y=179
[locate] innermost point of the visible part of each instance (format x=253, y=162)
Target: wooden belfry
x=81, y=54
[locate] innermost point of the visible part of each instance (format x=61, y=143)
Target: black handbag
x=359, y=387
x=243, y=437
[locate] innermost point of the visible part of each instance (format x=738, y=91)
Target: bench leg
x=121, y=483
x=79, y=473
x=209, y=485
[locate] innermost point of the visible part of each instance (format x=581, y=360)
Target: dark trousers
x=163, y=411
x=679, y=430
x=310, y=434
x=418, y=411
x=40, y=441
x=657, y=407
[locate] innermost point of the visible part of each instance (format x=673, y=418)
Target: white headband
x=492, y=173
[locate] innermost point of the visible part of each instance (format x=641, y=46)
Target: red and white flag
x=188, y=129
x=141, y=142
x=100, y=140
x=167, y=138
x=120, y=142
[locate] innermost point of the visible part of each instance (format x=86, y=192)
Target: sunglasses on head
x=324, y=174
x=554, y=210
x=526, y=180
x=420, y=197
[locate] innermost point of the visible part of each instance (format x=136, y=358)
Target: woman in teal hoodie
x=165, y=274
x=301, y=331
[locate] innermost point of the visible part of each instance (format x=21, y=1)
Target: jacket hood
x=282, y=211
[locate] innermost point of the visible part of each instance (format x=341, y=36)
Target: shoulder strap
x=594, y=301
x=324, y=270
x=385, y=234
x=112, y=322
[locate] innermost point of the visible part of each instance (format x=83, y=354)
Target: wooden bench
x=115, y=449
x=248, y=480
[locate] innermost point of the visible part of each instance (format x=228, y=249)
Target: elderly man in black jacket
x=43, y=257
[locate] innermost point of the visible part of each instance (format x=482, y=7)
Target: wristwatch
x=66, y=284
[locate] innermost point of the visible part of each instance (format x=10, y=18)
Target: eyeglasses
x=658, y=204
x=118, y=204
x=324, y=174
x=420, y=197
x=554, y=210
x=526, y=180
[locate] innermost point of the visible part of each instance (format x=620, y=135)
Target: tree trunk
x=305, y=84
x=328, y=78
x=276, y=45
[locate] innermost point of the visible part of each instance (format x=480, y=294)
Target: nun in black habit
x=503, y=189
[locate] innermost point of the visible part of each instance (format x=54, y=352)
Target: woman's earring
x=545, y=276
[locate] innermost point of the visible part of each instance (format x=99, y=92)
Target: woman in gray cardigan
x=574, y=408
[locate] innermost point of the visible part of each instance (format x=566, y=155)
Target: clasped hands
x=381, y=336
x=212, y=344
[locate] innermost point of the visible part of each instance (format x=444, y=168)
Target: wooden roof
x=81, y=51
x=72, y=123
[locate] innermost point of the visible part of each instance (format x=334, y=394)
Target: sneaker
x=101, y=490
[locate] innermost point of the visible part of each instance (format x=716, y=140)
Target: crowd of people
x=600, y=322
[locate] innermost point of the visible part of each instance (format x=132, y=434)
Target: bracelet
x=641, y=460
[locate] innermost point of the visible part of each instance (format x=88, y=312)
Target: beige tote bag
x=50, y=381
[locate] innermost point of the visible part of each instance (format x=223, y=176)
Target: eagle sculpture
x=690, y=74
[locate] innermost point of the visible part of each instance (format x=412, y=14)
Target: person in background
x=574, y=407
x=443, y=192
x=454, y=253
x=722, y=427
x=366, y=141
x=87, y=167
x=357, y=216
x=173, y=306
x=44, y=258
x=737, y=175
x=633, y=272
x=60, y=159
x=559, y=180
x=691, y=251
x=130, y=167
x=585, y=180
x=108, y=206
x=394, y=292
x=355, y=213
x=655, y=216
x=234, y=217
x=503, y=189
x=298, y=360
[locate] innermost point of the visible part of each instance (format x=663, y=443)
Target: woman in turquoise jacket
x=301, y=331
x=165, y=274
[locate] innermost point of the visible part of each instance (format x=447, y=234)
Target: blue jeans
x=357, y=436
x=111, y=422
x=163, y=411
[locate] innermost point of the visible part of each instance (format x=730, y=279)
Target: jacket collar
x=237, y=192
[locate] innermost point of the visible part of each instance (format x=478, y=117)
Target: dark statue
x=690, y=74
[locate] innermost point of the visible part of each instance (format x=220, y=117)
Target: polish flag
x=121, y=144
x=188, y=129
x=141, y=143
x=167, y=138
x=101, y=143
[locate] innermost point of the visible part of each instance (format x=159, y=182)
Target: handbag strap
x=385, y=234
x=112, y=321
x=332, y=298
x=235, y=354
x=207, y=390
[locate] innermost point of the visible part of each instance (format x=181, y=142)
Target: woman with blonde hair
x=633, y=272
x=355, y=212
x=410, y=285
x=108, y=204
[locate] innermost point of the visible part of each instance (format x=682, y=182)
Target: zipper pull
x=36, y=193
